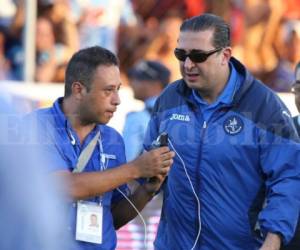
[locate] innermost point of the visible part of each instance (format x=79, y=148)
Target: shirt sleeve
x=280, y=155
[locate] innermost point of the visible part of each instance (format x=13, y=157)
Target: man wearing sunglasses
x=234, y=183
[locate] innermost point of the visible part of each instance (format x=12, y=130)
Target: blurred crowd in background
x=265, y=34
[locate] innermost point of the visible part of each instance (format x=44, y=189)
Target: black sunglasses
x=197, y=56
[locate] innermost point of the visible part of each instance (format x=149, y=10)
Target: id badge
x=89, y=222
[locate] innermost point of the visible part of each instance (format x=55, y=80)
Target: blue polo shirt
x=225, y=98
x=60, y=146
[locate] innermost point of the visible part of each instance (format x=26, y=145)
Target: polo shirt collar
x=62, y=120
x=227, y=94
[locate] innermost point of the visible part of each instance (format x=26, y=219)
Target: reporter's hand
x=153, y=163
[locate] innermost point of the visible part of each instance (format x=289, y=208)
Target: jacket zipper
x=197, y=184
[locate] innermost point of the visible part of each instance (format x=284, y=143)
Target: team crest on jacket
x=233, y=125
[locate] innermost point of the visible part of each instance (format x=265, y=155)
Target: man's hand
x=272, y=242
x=153, y=163
x=153, y=184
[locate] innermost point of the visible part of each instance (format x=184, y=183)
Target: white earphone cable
x=139, y=214
x=194, y=192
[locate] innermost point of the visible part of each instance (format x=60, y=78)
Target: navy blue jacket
x=242, y=163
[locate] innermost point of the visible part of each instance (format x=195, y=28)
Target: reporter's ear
x=78, y=90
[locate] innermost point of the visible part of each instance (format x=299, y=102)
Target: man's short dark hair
x=83, y=63
x=221, y=36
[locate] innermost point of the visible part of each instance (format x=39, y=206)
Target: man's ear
x=226, y=55
x=78, y=90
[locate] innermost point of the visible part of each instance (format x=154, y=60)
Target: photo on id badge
x=89, y=222
x=93, y=222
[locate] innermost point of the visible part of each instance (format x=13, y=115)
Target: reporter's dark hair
x=83, y=64
x=207, y=21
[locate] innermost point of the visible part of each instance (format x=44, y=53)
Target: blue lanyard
x=71, y=138
x=102, y=155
